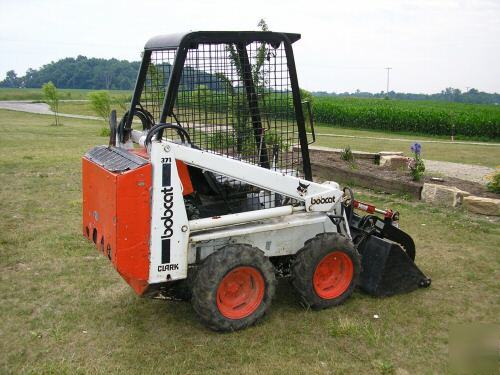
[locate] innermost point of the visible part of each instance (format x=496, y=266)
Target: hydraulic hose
x=351, y=204
x=146, y=118
x=183, y=134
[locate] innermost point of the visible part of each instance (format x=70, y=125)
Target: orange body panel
x=117, y=218
x=182, y=170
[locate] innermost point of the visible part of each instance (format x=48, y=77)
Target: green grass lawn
x=488, y=155
x=65, y=310
x=65, y=94
x=84, y=108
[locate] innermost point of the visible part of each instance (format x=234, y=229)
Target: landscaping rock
x=394, y=162
x=483, y=206
x=388, y=153
x=320, y=150
x=443, y=195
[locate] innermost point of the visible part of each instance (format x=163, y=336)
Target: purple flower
x=416, y=148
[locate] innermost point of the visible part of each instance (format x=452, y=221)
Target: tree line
x=449, y=94
x=103, y=74
x=78, y=73
x=113, y=74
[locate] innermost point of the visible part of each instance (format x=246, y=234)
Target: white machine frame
x=177, y=242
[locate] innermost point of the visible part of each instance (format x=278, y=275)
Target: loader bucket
x=387, y=269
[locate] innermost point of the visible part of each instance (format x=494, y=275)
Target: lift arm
x=317, y=197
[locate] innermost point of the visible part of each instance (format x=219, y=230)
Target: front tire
x=233, y=288
x=326, y=271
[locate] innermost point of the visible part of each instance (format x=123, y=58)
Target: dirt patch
x=366, y=173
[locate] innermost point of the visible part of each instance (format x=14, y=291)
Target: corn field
x=479, y=121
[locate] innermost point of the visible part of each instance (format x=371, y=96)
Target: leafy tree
x=11, y=79
x=306, y=95
x=238, y=100
x=260, y=58
x=52, y=98
x=100, y=101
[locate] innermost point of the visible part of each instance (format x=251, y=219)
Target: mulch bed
x=367, y=174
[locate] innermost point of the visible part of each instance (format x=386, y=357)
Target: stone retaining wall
x=330, y=172
x=436, y=194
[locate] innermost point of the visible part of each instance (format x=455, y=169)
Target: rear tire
x=233, y=288
x=326, y=270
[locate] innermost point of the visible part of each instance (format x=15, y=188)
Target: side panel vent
x=115, y=159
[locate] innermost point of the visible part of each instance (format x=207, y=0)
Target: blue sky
x=345, y=45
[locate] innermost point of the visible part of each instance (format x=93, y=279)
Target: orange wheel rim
x=240, y=292
x=333, y=275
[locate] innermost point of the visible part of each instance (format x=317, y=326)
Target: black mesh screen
x=234, y=100
x=155, y=84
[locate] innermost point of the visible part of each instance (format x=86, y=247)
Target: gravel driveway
x=474, y=173
x=39, y=108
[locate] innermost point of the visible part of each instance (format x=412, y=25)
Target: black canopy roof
x=194, y=37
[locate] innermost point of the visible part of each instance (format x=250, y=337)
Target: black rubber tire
x=212, y=271
x=306, y=261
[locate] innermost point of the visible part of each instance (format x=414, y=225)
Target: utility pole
x=387, y=92
x=467, y=88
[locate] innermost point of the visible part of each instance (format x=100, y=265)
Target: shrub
x=100, y=101
x=220, y=140
x=51, y=96
x=346, y=154
x=494, y=184
x=272, y=138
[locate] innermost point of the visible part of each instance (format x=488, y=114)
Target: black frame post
x=253, y=104
x=139, y=85
x=299, y=114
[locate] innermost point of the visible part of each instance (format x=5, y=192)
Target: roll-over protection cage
x=236, y=93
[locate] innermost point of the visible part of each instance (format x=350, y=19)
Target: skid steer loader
x=201, y=193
